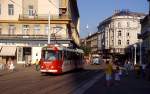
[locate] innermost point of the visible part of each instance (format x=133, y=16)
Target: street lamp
x=49, y=27
x=49, y=33
x=135, y=53
x=49, y=18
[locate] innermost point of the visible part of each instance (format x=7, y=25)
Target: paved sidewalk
x=18, y=68
x=127, y=85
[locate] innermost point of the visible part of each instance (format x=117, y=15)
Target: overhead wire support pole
x=49, y=28
x=49, y=22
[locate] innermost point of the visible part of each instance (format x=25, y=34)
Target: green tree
x=87, y=50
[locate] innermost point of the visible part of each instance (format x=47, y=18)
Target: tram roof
x=62, y=48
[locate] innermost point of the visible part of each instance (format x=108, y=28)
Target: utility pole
x=49, y=22
x=49, y=27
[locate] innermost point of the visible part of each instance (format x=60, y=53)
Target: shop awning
x=8, y=51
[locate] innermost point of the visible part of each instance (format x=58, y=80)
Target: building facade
x=118, y=32
x=92, y=41
x=145, y=36
x=24, y=27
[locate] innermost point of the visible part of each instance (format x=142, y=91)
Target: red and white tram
x=59, y=59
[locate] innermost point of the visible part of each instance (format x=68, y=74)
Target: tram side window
x=81, y=58
x=60, y=55
x=71, y=55
x=77, y=58
x=66, y=55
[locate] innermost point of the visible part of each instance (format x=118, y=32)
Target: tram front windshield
x=50, y=55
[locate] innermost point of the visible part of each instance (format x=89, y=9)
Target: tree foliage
x=87, y=50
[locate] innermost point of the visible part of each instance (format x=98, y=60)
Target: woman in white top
x=11, y=66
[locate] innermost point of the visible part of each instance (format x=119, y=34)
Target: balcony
x=30, y=37
x=16, y=36
x=30, y=40
x=43, y=17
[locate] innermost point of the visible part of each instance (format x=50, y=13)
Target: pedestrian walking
x=137, y=70
x=120, y=72
x=1, y=66
x=108, y=73
x=119, y=69
x=37, y=65
x=11, y=66
x=143, y=65
x=117, y=74
x=126, y=67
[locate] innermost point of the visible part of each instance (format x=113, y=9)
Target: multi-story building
x=92, y=41
x=118, y=32
x=91, y=44
x=24, y=27
x=145, y=36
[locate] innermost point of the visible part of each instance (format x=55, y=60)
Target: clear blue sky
x=92, y=12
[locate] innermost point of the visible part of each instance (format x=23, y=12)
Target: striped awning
x=8, y=51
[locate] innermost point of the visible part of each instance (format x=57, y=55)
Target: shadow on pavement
x=128, y=85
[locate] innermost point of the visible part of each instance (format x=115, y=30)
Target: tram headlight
x=42, y=67
x=52, y=67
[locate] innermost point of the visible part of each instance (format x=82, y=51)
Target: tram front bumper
x=49, y=70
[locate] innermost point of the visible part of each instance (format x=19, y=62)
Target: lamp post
x=49, y=32
x=49, y=19
x=135, y=53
